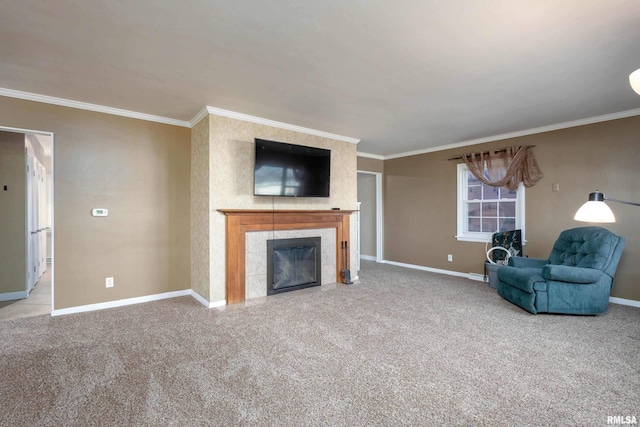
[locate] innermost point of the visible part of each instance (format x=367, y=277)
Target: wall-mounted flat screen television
x=290, y=170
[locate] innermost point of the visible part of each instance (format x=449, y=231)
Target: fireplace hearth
x=293, y=264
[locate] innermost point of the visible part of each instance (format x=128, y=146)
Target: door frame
x=30, y=182
x=39, y=132
x=379, y=214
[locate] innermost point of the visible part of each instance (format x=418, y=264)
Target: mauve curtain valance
x=506, y=168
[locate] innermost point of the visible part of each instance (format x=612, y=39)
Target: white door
x=32, y=226
x=42, y=219
x=370, y=199
x=358, y=206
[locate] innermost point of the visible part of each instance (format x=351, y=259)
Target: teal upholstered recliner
x=576, y=279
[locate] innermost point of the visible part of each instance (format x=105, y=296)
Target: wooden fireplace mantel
x=241, y=221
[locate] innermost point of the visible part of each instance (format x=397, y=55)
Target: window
x=484, y=210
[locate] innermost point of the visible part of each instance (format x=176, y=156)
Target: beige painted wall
x=13, y=268
x=420, y=198
x=367, y=199
x=230, y=171
x=370, y=165
x=138, y=170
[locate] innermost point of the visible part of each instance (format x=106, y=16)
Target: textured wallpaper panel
x=200, y=277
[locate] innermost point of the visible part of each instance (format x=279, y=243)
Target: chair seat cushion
x=522, y=262
x=525, y=279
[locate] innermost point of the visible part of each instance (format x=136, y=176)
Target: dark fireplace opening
x=293, y=264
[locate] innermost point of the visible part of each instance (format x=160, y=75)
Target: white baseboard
x=472, y=276
x=137, y=300
x=120, y=303
x=624, y=301
x=199, y=298
x=368, y=257
x=206, y=303
x=10, y=296
x=480, y=277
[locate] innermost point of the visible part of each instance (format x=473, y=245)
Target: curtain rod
x=504, y=150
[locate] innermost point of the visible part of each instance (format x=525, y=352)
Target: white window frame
x=476, y=236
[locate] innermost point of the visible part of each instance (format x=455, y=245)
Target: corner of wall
x=200, y=273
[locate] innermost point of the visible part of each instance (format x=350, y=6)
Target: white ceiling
x=402, y=76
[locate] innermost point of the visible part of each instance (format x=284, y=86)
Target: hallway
x=38, y=302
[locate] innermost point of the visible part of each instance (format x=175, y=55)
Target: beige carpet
x=401, y=348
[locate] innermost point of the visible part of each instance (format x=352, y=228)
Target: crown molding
x=258, y=120
x=370, y=156
x=201, y=115
x=10, y=93
x=532, y=131
x=90, y=107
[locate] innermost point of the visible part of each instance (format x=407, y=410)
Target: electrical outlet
x=109, y=282
x=450, y=258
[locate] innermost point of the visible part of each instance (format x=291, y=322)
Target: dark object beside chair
x=508, y=244
x=576, y=279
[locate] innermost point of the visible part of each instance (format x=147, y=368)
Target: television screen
x=290, y=170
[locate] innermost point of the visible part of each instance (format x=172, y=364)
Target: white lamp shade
x=634, y=79
x=593, y=211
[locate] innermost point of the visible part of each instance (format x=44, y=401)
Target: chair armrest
x=522, y=262
x=566, y=273
x=520, y=278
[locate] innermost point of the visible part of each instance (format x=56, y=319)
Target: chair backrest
x=589, y=247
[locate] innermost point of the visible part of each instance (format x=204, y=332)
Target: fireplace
x=293, y=264
x=244, y=228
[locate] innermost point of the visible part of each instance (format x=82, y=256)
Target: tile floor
x=38, y=302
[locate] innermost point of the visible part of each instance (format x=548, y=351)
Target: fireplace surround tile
x=256, y=286
x=256, y=263
x=256, y=256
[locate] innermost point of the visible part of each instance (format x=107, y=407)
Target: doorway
x=370, y=199
x=26, y=196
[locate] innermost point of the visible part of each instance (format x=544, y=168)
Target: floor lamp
x=596, y=210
